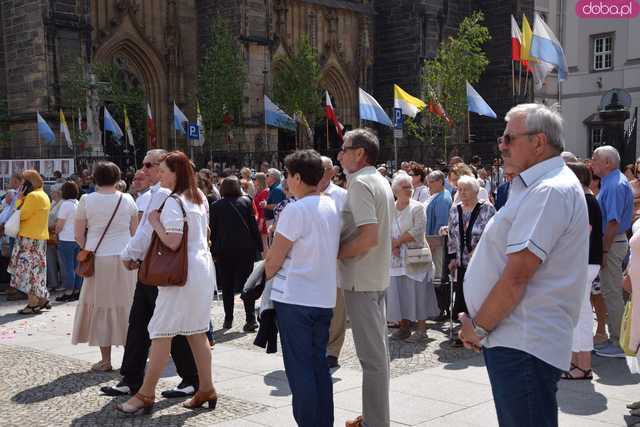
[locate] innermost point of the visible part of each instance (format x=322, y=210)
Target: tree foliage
x=459, y=59
x=296, y=81
x=222, y=77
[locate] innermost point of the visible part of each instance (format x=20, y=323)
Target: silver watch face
x=480, y=332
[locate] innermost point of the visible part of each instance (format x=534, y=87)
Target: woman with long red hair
x=181, y=310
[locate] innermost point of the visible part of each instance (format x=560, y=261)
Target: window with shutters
x=602, y=47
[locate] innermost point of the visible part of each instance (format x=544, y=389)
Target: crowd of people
x=522, y=256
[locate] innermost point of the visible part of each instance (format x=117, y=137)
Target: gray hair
x=157, y=153
x=568, y=157
x=608, y=153
x=469, y=181
x=436, y=176
x=327, y=162
x=275, y=173
x=540, y=118
x=365, y=139
x=399, y=179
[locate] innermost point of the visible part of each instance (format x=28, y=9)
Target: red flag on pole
x=516, y=40
x=331, y=115
x=434, y=107
x=151, y=129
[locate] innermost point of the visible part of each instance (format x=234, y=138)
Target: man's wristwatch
x=479, y=330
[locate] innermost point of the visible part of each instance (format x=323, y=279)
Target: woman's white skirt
x=583, y=332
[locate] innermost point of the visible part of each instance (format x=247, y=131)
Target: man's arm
x=503, y=298
x=366, y=237
x=610, y=232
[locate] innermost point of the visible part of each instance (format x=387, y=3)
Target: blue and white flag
x=112, y=126
x=179, y=119
x=476, y=104
x=371, y=110
x=44, y=131
x=546, y=47
x=274, y=116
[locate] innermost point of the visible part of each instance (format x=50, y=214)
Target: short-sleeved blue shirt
x=276, y=195
x=616, y=201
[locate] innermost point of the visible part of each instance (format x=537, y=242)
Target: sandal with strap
x=202, y=397
x=101, y=367
x=30, y=309
x=129, y=409
x=586, y=374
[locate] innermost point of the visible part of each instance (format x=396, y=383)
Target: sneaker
x=611, y=350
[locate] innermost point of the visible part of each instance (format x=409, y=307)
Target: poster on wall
x=5, y=168
x=45, y=167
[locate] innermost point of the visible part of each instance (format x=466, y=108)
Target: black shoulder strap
x=465, y=235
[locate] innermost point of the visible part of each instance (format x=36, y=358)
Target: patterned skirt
x=28, y=267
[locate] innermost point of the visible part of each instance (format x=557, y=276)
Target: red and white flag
x=516, y=40
x=151, y=129
x=331, y=115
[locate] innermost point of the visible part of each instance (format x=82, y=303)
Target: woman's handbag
x=86, y=259
x=418, y=256
x=161, y=265
x=625, y=331
x=12, y=226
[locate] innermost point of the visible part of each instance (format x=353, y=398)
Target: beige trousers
x=611, y=285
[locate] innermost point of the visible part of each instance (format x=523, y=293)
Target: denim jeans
x=304, y=333
x=67, y=252
x=524, y=388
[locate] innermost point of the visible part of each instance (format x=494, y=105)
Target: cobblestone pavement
x=406, y=358
x=41, y=389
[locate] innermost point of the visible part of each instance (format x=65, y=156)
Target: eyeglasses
x=509, y=138
x=149, y=165
x=406, y=187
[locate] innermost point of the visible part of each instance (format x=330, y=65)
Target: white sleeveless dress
x=186, y=310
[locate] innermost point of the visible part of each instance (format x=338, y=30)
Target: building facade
x=602, y=55
x=159, y=44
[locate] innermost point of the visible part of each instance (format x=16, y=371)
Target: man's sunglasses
x=509, y=138
x=149, y=165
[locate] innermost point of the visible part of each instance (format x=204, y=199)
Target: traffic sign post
x=398, y=123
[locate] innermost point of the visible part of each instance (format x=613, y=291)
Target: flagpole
x=395, y=151
x=513, y=81
x=468, y=127
x=526, y=83
x=175, y=132
x=519, y=77
x=326, y=127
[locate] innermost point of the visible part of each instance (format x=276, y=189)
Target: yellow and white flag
x=200, y=141
x=410, y=105
x=64, y=130
x=127, y=128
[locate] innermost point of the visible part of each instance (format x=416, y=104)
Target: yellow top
x=34, y=215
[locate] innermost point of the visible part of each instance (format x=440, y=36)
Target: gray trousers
x=367, y=313
x=611, y=285
x=338, y=326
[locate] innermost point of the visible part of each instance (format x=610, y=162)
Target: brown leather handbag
x=86, y=259
x=161, y=265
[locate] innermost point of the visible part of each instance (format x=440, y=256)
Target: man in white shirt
x=339, y=319
x=525, y=281
x=136, y=349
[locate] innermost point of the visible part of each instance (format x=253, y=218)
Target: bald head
x=329, y=173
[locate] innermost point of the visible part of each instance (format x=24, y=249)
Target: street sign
x=194, y=131
x=398, y=119
x=397, y=133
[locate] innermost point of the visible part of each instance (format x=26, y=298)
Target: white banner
x=45, y=167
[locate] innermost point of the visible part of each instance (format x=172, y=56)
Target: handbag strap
x=175, y=197
x=108, y=224
x=465, y=233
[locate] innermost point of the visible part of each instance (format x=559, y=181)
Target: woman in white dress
x=181, y=310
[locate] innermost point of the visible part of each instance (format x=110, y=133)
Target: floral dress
x=28, y=267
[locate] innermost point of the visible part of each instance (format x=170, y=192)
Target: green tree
x=73, y=95
x=296, y=82
x=459, y=59
x=221, y=79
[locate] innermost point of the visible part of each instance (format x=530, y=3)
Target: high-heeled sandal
x=147, y=405
x=202, y=397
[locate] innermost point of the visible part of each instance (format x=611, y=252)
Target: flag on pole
x=516, y=40
x=527, y=35
x=200, y=141
x=44, y=131
x=371, y=110
x=179, y=119
x=274, y=116
x=410, y=105
x=476, y=104
x=436, y=108
x=151, y=129
x=539, y=71
x=331, y=115
x=546, y=47
x=112, y=126
x=302, y=120
x=127, y=128
x=64, y=130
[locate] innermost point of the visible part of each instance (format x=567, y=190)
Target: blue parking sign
x=398, y=119
x=194, y=131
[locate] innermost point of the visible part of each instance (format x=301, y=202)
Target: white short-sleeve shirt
x=547, y=214
x=97, y=208
x=308, y=274
x=67, y=211
x=143, y=200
